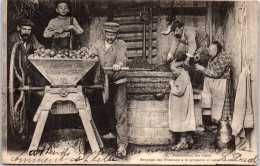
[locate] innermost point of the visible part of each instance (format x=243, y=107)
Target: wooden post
x=209, y=20
x=110, y=14
x=150, y=46
x=253, y=50
x=144, y=38
x=4, y=85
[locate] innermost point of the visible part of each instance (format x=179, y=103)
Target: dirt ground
x=202, y=152
x=203, y=143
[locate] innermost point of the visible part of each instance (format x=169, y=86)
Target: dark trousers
x=117, y=112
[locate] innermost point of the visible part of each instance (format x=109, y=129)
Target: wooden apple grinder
x=63, y=74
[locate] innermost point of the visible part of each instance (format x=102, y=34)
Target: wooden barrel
x=141, y=85
x=148, y=118
x=148, y=122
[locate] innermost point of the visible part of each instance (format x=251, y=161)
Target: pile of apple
x=82, y=53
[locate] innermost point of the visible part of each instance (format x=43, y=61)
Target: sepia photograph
x=148, y=82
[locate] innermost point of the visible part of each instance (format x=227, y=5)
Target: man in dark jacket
x=28, y=45
x=24, y=35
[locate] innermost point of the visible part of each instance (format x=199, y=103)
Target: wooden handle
x=111, y=68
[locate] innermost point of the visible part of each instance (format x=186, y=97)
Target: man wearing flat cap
x=28, y=44
x=112, y=53
x=23, y=35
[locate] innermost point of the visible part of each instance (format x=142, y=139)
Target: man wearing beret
x=112, y=53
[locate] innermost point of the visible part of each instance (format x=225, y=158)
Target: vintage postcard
x=160, y=82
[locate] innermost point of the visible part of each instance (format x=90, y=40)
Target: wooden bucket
x=148, y=122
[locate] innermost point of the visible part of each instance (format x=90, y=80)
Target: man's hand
x=169, y=57
x=187, y=61
x=116, y=67
x=70, y=27
x=199, y=67
x=59, y=31
x=171, y=83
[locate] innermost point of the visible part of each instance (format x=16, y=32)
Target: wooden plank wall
x=129, y=21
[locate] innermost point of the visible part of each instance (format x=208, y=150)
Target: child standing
x=181, y=106
x=60, y=28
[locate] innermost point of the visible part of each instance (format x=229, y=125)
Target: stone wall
x=241, y=43
x=234, y=38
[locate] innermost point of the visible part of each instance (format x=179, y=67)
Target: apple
x=42, y=50
x=47, y=51
x=78, y=56
x=71, y=54
x=86, y=56
x=52, y=53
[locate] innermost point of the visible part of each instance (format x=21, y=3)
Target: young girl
x=181, y=106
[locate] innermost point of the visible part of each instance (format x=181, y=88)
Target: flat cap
x=111, y=27
x=26, y=22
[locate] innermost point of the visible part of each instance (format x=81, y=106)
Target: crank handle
x=27, y=88
x=111, y=68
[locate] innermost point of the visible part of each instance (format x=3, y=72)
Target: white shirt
x=107, y=45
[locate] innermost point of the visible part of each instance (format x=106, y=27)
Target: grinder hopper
x=62, y=72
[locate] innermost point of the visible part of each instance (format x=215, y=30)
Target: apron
x=217, y=88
